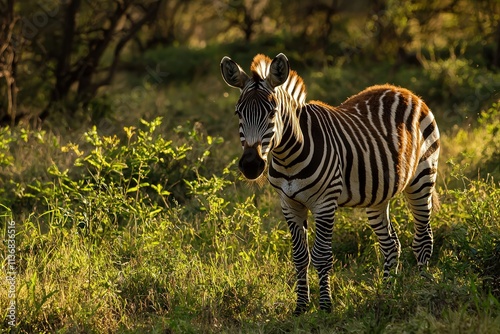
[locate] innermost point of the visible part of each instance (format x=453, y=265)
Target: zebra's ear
x=232, y=73
x=278, y=71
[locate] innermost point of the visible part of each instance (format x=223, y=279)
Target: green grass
x=146, y=226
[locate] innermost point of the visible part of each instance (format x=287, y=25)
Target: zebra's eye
x=236, y=112
x=272, y=113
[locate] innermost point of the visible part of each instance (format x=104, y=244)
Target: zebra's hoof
x=326, y=307
x=389, y=282
x=300, y=309
x=425, y=274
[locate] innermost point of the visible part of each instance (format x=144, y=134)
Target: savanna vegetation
x=118, y=178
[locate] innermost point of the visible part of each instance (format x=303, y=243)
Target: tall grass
x=149, y=228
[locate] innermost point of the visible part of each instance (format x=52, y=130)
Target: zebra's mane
x=294, y=87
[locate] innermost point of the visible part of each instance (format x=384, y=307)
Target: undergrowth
x=150, y=231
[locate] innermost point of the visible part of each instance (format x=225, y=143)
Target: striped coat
x=378, y=143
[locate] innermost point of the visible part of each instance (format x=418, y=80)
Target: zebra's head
x=256, y=108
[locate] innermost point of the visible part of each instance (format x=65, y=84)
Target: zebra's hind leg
x=378, y=218
x=421, y=198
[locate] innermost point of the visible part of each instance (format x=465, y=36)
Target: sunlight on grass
x=145, y=231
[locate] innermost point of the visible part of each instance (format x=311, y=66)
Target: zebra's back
x=382, y=134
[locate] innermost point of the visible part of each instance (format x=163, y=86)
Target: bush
x=473, y=152
x=136, y=227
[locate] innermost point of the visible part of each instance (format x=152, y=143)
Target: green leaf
x=130, y=190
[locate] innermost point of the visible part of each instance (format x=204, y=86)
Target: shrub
x=473, y=152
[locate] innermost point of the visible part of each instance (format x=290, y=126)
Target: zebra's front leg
x=322, y=256
x=296, y=218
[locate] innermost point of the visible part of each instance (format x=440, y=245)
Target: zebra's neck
x=288, y=117
x=289, y=138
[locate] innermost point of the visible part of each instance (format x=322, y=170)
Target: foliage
x=115, y=172
x=474, y=152
x=53, y=46
x=143, y=232
x=57, y=57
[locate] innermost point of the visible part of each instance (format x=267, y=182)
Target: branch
x=136, y=26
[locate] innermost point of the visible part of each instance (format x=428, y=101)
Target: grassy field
x=136, y=226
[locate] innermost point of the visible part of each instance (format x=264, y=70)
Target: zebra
x=378, y=143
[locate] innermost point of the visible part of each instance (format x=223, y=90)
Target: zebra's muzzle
x=251, y=162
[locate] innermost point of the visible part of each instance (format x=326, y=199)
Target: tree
x=106, y=26
x=244, y=14
x=56, y=50
x=8, y=61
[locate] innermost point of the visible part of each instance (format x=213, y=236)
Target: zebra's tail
x=436, y=204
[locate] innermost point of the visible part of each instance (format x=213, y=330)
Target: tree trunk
x=8, y=59
x=82, y=72
x=64, y=60
x=496, y=56
x=63, y=68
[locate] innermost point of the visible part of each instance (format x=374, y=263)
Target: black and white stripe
x=378, y=143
